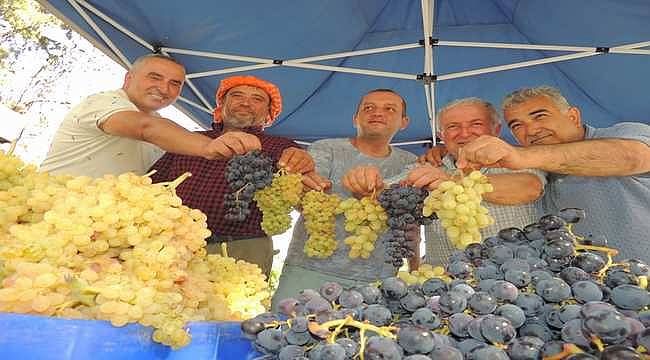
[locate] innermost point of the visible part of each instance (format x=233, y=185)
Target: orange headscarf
x=228, y=83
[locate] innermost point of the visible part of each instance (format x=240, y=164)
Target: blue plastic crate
x=37, y=337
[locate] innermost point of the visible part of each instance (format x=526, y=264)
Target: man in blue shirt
x=605, y=171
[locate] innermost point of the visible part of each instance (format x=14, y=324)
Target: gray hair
x=492, y=111
x=142, y=59
x=522, y=95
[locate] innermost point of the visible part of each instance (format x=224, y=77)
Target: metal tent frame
x=428, y=77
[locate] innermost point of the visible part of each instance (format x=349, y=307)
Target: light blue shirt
x=618, y=207
x=333, y=159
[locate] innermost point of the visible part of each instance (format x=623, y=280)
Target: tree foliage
x=27, y=38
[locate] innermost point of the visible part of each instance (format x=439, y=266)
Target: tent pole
x=632, y=46
x=432, y=85
x=218, y=55
x=194, y=89
x=230, y=70
x=427, y=34
x=358, y=53
x=99, y=32
x=198, y=94
x=116, y=25
x=433, y=111
x=192, y=103
x=387, y=74
x=515, y=65
x=621, y=49
x=631, y=51
x=515, y=46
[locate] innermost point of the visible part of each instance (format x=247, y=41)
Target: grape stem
x=568, y=349
x=224, y=249
x=150, y=173
x=603, y=271
x=172, y=185
x=609, y=251
x=599, y=343
x=385, y=331
x=240, y=190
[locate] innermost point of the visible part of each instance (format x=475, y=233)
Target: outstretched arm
x=173, y=138
x=598, y=157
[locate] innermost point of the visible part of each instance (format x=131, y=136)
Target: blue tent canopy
x=597, y=52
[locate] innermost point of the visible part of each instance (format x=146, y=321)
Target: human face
x=539, y=121
x=380, y=115
x=245, y=106
x=463, y=123
x=154, y=84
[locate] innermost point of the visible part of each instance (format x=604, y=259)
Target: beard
x=233, y=120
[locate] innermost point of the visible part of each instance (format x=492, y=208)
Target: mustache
x=158, y=92
x=534, y=138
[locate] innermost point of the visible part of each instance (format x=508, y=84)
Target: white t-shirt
x=80, y=147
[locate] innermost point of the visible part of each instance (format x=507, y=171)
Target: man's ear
x=127, y=79
x=405, y=122
x=575, y=116
x=355, y=121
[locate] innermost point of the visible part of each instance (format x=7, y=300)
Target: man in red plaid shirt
x=245, y=103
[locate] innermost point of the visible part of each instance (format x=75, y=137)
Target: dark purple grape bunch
x=403, y=205
x=245, y=175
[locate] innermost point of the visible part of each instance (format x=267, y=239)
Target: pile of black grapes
x=403, y=205
x=245, y=175
x=526, y=294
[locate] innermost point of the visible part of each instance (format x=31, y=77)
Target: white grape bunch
x=458, y=206
x=277, y=200
x=365, y=219
x=319, y=211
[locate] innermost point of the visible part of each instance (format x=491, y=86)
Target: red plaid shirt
x=205, y=189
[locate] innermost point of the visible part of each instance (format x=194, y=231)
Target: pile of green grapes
x=117, y=248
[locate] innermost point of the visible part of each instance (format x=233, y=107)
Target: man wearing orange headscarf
x=248, y=104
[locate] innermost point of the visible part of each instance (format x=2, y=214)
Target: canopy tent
x=325, y=54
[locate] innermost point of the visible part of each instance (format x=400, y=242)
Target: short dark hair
x=382, y=90
x=139, y=61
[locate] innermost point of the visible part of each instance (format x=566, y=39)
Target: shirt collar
x=589, y=131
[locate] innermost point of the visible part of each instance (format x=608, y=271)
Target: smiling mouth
x=538, y=139
x=158, y=97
